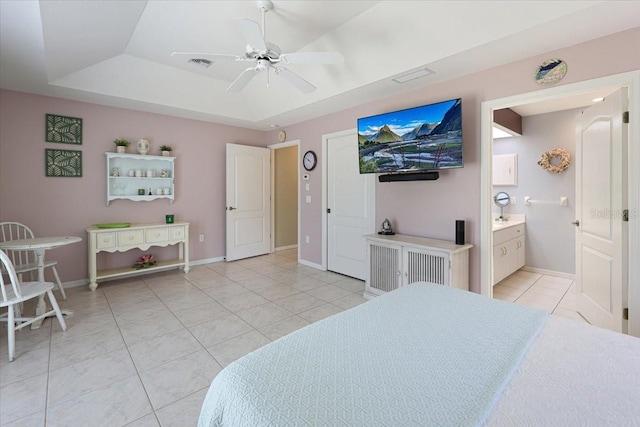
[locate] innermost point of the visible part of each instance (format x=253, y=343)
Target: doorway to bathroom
x=554, y=95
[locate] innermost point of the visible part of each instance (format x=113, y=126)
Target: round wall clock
x=309, y=160
x=282, y=136
x=551, y=72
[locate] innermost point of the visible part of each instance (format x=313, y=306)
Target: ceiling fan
x=267, y=56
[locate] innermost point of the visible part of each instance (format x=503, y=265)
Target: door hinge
x=625, y=117
x=328, y=210
x=625, y=215
x=625, y=314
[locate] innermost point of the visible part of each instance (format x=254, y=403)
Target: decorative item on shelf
x=164, y=173
x=121, y=145
x=545, y=161
x=551, y=72
x=115, y=172
x=386, y=228
x=140, y=191
x=143, y=146
x=169, y=218
x=145, y=261
x=166, y=150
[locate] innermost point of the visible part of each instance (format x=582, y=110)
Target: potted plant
x=121, y=145
x=166, y=150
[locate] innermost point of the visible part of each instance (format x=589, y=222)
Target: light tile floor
x=555, y=295
x=143, y=351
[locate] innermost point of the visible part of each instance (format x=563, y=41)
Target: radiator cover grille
x=427, y=267
x=384, y=268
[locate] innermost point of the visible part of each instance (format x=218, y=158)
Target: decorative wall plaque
x=62, y=129
x=63, y=163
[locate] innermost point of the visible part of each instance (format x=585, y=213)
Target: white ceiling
x=119, y=52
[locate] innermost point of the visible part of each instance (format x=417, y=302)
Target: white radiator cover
x=394, y=261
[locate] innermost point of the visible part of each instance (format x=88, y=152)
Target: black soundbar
x=412, y=176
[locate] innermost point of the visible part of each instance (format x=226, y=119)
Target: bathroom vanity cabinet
x=508, y=249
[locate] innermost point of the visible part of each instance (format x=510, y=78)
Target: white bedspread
x=421, y=355
x=574, y=375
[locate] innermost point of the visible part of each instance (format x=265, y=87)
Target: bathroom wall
x=550, y=236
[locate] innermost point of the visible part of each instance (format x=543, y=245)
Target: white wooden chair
x=25, y=261
x=13, y=293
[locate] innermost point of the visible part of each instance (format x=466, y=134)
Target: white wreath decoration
x=563, y=155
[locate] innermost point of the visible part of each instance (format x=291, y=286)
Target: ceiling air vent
x=201, y=62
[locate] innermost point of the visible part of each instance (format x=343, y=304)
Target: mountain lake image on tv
x=412, y=140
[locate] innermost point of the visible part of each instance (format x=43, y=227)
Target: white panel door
x=601, y=187
x=248, y=201
x=351, y=203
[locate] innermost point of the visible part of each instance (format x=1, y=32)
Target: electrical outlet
x=202, y=237
x=306, y=239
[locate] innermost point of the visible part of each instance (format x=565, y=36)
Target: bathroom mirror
x=501, y=200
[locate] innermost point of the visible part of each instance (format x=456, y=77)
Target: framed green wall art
x=63, y=129
x=63, y=163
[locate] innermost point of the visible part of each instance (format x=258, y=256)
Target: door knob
x=576, y=223
x=231, y=208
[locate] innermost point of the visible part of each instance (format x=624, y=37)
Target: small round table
x=39, y=245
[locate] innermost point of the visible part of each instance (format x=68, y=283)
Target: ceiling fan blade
x=300, y=83
x=209, y=55
x=251, y=32
x=312, y=58
x=241, y=81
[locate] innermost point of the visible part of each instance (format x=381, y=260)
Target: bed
x=427, y=355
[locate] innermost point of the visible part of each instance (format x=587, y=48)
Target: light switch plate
x=306, y=186
x=308, y=199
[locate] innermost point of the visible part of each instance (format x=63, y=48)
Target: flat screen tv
x=412, y=140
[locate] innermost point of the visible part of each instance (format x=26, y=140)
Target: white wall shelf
x=126, y=187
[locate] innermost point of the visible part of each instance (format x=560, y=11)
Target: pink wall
x=67, y=206
x=55, y=206
x=430, y=208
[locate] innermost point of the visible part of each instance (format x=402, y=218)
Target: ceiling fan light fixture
x=412, y=75
x=201, y=62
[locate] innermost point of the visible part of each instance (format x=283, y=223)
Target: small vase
x=143, y=146
x=121, y=149
x=166, y=153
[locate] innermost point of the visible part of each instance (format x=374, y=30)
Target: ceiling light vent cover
x=201, y=62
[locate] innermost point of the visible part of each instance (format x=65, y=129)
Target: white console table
x=398, y=260
x=138, y=236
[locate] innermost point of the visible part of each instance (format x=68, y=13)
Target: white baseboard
x=284, y=248
x=206, y=261
x=549, y=272
x=311, y=264
x=76, y=283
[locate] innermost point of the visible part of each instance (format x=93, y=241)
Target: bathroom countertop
x=511, y=221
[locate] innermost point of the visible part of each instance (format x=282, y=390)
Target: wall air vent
x=201, y=62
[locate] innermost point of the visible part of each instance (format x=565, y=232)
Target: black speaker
x=459, y=232
x=412, y=176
